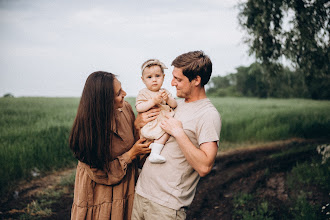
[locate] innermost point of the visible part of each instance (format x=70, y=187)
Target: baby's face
x=153, y=78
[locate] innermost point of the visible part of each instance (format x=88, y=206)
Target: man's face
x=182, y=84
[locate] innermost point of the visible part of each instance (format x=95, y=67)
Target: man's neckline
x=195, y=100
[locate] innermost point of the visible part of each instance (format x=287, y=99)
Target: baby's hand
x=157, y=99
x=164, y=95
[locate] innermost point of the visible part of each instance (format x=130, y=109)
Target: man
x=164, y=191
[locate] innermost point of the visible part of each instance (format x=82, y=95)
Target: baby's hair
x=153, y=62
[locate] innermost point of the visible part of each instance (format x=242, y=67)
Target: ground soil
x=246, y=170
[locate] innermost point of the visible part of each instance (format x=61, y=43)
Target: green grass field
x=34, y=131
x=254, y=120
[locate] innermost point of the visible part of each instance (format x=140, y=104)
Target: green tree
x=255, y=81
x=303, y=39
x=223, y=86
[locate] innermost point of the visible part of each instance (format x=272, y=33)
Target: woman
x=103, y=139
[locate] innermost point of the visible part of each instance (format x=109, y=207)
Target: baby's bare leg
x=162, y=139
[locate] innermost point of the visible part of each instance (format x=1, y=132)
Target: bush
x=8, y=95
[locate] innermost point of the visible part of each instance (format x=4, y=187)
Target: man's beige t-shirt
x=173, y=183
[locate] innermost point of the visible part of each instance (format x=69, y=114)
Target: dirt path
x=22, y=199
x=249, y=170
x=242, y=170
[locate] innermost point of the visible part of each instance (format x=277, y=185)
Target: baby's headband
x=153, y=62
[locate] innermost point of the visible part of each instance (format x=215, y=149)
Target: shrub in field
x=303, y=210
x=307, y=173
x=8, y=95
x=246, y=208
x=303, y=176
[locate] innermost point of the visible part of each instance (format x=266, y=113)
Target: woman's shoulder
x=127, y=106
x=128, y=111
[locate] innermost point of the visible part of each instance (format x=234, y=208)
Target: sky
x=49, y=47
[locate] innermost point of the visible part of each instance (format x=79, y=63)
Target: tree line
x=255, y=81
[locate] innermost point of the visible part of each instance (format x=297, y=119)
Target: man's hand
x=143, y=118
x=172, y=126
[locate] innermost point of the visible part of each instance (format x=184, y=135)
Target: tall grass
x=252, y=120
x=34, y=131
x=34, y=136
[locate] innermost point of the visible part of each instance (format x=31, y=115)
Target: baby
x=153, y=77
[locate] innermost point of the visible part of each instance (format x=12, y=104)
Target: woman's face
x=119, y=94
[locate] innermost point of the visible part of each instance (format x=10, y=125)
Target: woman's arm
x=118, y=167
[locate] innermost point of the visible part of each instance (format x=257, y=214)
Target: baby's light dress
x=152, y=130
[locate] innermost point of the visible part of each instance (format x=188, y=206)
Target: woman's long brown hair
x=91, y=133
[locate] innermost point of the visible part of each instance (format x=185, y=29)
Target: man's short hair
x=194, y=64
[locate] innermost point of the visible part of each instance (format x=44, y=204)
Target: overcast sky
x=49, y=47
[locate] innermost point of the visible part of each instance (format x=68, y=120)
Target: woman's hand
x=172, y=126
x=141, y=147
x=143, y=118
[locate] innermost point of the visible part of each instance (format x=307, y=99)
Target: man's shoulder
x=197, y=110
x=206, y=105
x=209, y=105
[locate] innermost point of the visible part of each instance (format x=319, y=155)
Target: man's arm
x=201, y=159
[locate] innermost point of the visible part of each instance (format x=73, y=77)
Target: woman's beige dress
x=152, y=130
x=109, y=195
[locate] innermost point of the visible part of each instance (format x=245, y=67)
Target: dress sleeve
x=141, y=159
x=117, y=171
x=141, y=97
x=119, y=166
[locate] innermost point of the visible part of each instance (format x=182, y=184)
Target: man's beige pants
x=144, y=209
